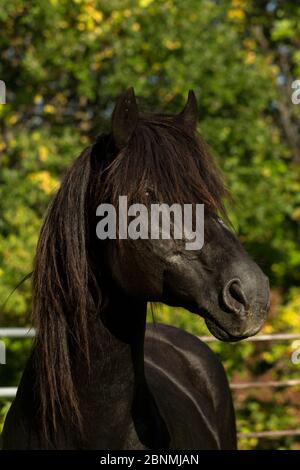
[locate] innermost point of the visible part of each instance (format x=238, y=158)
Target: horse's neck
x=124, y=321
x=116, y=397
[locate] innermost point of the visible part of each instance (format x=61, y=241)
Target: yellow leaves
x=274, y=69
x=144, y=3
x=101, y=56
x=44, y=181
x=172, y=45
x=37, y=99
x=295, y=344
x=136, y=26
x=108, y=52
x=81, y=26
x=89, y=18
x=250, y=46
x=35, y=136
x=250, y=57
x=236, y=14
x=289, y=314
x=49, y=109
x=43, y=153
x=116, y=16
x=85, y=126
x=94, y=13
x=268, y=329
x=296, y=214
x=13, y=119
x=238, y=3
x=248, y=444
x=266, y=172
x=267, y=356
x=236, y=11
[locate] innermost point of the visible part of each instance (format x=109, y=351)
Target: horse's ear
x=124, y=118
x=189, y=115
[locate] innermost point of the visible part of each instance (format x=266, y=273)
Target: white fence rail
x=17, y=332
x=8, y=392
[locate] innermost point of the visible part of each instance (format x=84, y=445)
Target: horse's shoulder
x=168, y=345
x=189, y=384
x=159, y=333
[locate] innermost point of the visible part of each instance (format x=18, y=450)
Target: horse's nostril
x=234, y=296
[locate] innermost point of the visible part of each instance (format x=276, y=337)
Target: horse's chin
x=224, y=335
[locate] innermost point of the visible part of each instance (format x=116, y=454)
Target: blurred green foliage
x=64, y=61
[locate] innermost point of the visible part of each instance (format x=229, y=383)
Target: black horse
x=98, y=377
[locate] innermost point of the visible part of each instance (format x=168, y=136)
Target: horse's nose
x=234, y=297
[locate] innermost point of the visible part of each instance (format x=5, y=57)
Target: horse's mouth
x=223, y=335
